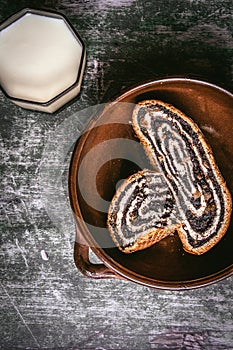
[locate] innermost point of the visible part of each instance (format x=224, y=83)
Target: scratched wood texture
x=45, y=302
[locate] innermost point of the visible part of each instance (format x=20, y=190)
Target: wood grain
x=45, y=302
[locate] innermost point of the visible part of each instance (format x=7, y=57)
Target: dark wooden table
x=45, y=302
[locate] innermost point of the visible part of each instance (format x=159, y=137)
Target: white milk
x=39, y=59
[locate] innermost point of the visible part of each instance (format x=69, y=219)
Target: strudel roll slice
x=175, y=144
x=142, y=212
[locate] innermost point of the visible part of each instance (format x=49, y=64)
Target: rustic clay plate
x=108, y=152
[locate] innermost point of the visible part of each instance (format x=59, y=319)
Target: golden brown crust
x=147, y=240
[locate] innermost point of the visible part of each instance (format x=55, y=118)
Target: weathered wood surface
x=45, y=302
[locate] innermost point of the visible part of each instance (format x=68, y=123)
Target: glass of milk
x=42, y=60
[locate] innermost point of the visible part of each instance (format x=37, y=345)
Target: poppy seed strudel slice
x=142, y=212
x=174, y=143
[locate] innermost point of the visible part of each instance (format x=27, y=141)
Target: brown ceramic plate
x=108, y=151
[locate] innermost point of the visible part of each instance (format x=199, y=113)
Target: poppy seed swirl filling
x=142, y=206
x=176, y=146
